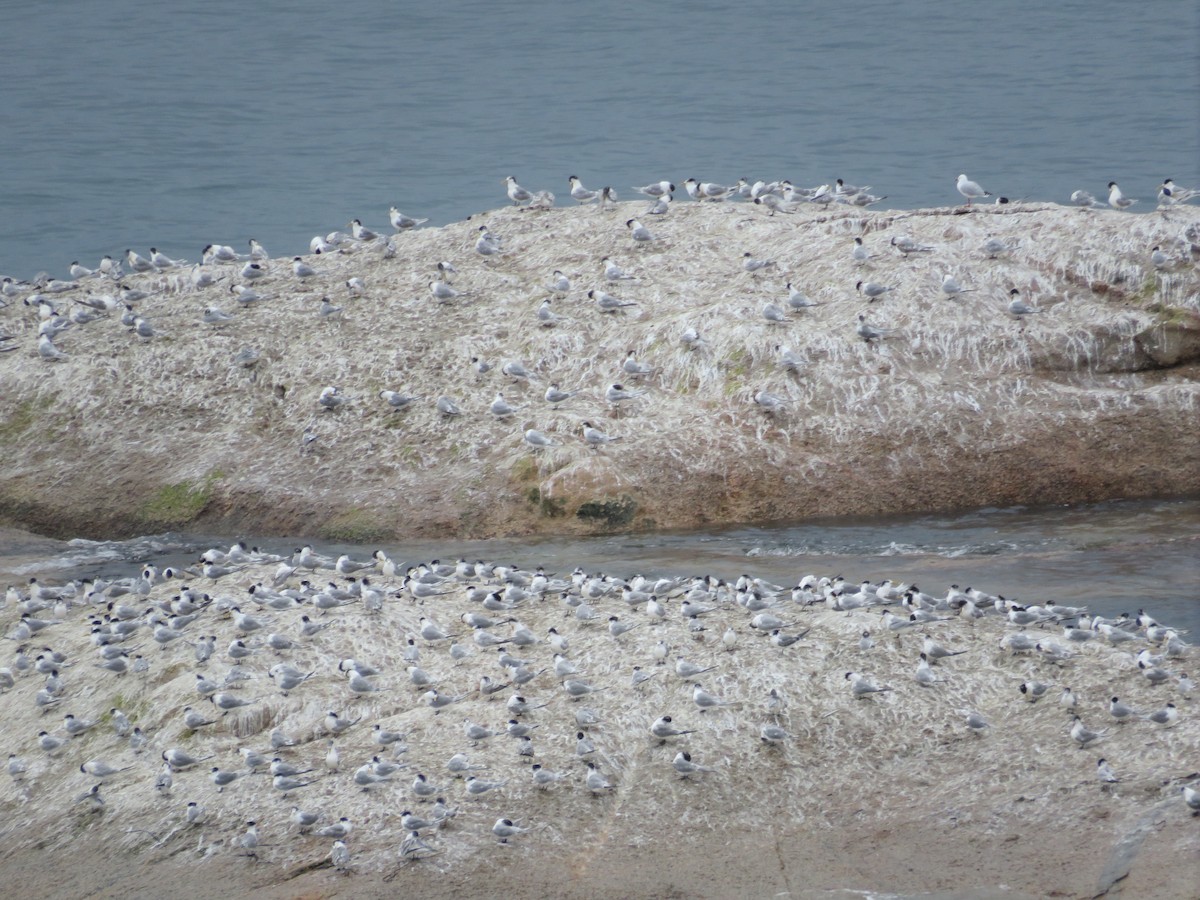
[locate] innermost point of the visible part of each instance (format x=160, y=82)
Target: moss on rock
x=617, y=513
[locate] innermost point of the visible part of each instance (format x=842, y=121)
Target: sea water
x=129, y=125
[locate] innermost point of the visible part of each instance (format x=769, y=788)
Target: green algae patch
x=550, y=507
x=22, y=418
x=179, y=503
x=355, y=526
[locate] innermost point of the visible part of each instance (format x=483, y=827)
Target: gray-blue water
x=124, y=124
x=1111, y=557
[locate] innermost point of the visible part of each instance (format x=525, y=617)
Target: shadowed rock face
x=960, y=404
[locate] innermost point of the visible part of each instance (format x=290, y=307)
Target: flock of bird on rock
x=105, y=291
x=296, y=629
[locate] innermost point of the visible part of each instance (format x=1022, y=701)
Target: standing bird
x=859, y=254
x=579, y=193
x=1116, y=199
x=869, y=332
x=1018, y=308
x=656, y=190
x=516, y=193
x=1082, y=735
x=401, y=222
x=970, y=189
x=872, y=290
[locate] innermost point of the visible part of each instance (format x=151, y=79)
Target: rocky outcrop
x=960, y=404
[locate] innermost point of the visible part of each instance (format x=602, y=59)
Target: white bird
x=544, y=778
x=556, y=395
x=685, y=767
x=1116, y=199
x=75, y=727
x=215, y=316
x=301, y=269
x=797, y=300
x=1120, y=711
x=339, y=857
x=560, y=284
x=413, y=848
x=577, y=690
x=659, y=206
x=640, y=233
x=92, y=797
x=252, y=271
x=547, y=317
x=774, y=315
x=500, y=408
x=705, y=701
x=635, y=369
x=752, y=265
x=537, y=440
x=771, y=403
x=607, y=303
x=934, y=651
x=976, y=723
x=952, y=288
x=516, y=193
x=1192, y=798
x=47, y=350
x=690, y=338
x=487, y=244
x=872, y=290
x=516, y=371
x=224, y=779
x=137, y=262
x=447, y=407
x=657, y=189
x=579, y=193
x=1018, y=308
x=859, y=252
x=775, y=204
x=396, y=399
x=1082, y=735
x=401, y=222
x=1168, y=195
x=906, y=245
x=1033, y=691
x=1085, y=200
x=613, y=272
x=869, y=332
x=616, y=393
x=1165, y=716
x=924, y=675
x=970, y=189
x=477, y=787
x=360, y=685
x=861, y=687
x=504, y=829
x=708, y=190
x=143, y=329
x=442, y=291
x=598, y=784
x=98, y=768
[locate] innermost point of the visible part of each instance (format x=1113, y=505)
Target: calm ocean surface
x=129, y=125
